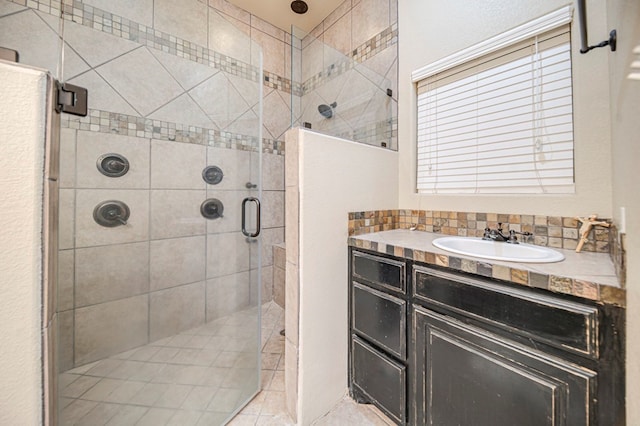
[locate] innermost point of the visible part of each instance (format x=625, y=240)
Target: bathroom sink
x=524, y=253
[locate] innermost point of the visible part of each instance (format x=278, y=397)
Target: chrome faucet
x=498, y=235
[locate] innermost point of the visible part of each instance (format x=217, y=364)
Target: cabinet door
x=467, y=376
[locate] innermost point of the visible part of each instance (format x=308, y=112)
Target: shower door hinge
x=71, y=99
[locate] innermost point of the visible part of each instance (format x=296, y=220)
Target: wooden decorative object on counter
x=587, y=224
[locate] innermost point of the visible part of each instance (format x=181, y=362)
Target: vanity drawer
x=552, y=320
x=381, y=318
x=380, y=379
x=387, y=273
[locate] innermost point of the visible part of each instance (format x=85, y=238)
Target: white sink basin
x=524, y=253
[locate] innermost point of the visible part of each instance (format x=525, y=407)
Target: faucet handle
x=487, y=234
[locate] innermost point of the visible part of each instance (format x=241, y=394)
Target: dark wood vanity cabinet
x=447, y=348
x=378, y=333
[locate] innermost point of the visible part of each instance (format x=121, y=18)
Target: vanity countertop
x=587, y=275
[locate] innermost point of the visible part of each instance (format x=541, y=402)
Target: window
x=501, y=122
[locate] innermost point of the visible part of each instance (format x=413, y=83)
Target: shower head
x=299, y=7
x=327, y=110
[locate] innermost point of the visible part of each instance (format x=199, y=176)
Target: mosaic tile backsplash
x=549, y=231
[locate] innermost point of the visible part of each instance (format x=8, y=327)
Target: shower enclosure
x=157, y=304
x=344, y=95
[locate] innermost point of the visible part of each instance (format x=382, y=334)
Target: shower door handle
x=244, y=217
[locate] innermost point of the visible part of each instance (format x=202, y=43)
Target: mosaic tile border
x=129, y=125
x=376, y=44
x=564, y=285
x=98, y=19
x=549, y=231
x=375, y=133
x=617, y=242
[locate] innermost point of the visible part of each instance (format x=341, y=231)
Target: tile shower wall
x=351, y=58
x=172, y=96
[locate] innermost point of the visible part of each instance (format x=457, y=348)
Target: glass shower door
x=158, y=299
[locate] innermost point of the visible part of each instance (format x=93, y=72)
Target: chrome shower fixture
x=300, y=7
x=327, y=110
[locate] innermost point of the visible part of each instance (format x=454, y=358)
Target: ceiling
x=279, y=13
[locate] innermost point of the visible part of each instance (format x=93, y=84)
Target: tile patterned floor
x=187, y=380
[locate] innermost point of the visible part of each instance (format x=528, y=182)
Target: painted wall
x=330, y=178
x=624, y=16
x=431, y=30
x=22, y=131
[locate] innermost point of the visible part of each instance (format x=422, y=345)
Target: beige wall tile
x=267, y=284
x=272, y=51
x=226, y=295
x=94, y=46
x=369, y=18
x=65, y=340
x=232, y=10
x=175, y=310
x=67, y=158
x=102, y=95
x=312, y=59
x=188, y=73
x=236, y=166
x=176, y=213
x=186, y=19
x=177, y=261
x=338, y=12
x=276, y=113
x=177, y=165
x=140, y=79
x=279, y=279
x=279, y=256
x=338, y=35
x=111, y=272
x=229, y=39
x=110, y=328
x=219, y=100
x=140, y=11
x=89, y=233
x=66, y=220
x=183, y=110
x=92, y=145
x=65, y=279
x=270, y=236
x=26, y=33
x=227, y=254
x=272, y=209
x=267, y=28
x=231, y=221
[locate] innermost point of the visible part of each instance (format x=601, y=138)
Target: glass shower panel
x=337, y=95
x=33, y=32
x=158, y=305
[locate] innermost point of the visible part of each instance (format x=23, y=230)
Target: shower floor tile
x=187, y=379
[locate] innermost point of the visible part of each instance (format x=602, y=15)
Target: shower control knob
x=112, y=165
x=212, y=175
x=111, y=213
x=212, y=208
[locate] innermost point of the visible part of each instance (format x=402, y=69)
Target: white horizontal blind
x=502, y=123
